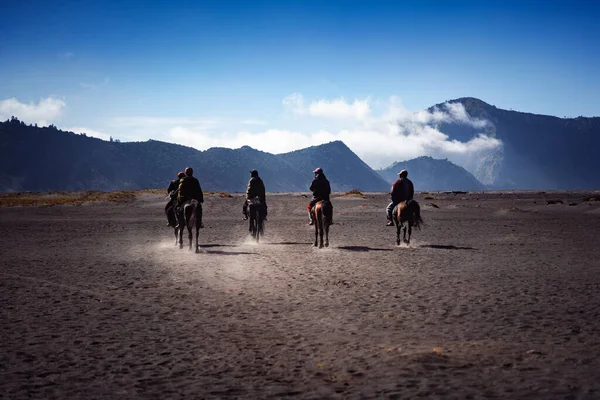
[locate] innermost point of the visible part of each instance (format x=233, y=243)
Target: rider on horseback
x=321, y=190
x=256, y=188
x=189, y=188
x=402, y=190
x=170, y=207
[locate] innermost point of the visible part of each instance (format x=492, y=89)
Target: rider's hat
x=403, y=173
x=253, y=172
x=189, y=171
x=318, y=171
x=180, y=174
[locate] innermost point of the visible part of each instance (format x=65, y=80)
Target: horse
x=256, y=218
x=189, y=214
x=322, y=214
x=407, y=211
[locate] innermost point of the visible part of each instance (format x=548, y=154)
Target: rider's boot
x=389, y=223
x=310, y=218
x=170, y=217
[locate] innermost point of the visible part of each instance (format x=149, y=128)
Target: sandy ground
x=497, y=297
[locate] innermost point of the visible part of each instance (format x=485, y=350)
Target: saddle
x=406, y=204
x=312, y=209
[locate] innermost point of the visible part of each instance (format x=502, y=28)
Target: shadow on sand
x=227, y=253
x=446, y=247
x=289, y=243
x=361, y=248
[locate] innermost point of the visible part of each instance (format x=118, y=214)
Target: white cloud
x=89, y=132
x=293, y=103
x=395, y=135
x=45, y=112
x=253, y=122
x=336, y=108
x=271, y=140
x=380, y=132
x=458, y=113
x=339, y=108
x=149, y=122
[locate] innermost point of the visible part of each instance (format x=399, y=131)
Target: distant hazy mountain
x=539, y=152
x=40, y=159
x=427, y=173
x=344, y=169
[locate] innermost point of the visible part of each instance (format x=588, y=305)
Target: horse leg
x=320, y=218
x=404, y=236
x=257, y=228
x=181, y=234
x=198, y=225
x=409, y=233
x=327, y=233
x=398, y=229
x=316, y=231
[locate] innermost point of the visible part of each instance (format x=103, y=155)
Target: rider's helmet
x=403, y=173
x=254, y=173
x=318, y=171
x=180, y=174
x=189, y=171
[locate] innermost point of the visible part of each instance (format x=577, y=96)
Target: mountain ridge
x=428, y=173
x=538, y=151
x=40, y=159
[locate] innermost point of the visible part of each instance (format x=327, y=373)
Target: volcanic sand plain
x=498, y=296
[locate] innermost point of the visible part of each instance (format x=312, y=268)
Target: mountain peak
x=428, y=173
x=467, y=102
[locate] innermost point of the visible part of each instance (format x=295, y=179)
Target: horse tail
x=319, y=216
x=190, y=213
x=418, y=220
x=327, y=210
x=396, y=214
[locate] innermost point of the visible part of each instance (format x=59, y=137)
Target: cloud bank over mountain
x=43, y=113
x=380, y=132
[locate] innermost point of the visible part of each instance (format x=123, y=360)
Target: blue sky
x=206, y=73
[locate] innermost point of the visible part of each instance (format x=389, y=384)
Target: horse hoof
x=197, y=251
x=326, y=244
x=316, y=245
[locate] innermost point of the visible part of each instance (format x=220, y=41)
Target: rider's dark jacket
x=320, y=188
x=189, y=188
x=402, y=190
x=174, y=185
x=256, y=187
